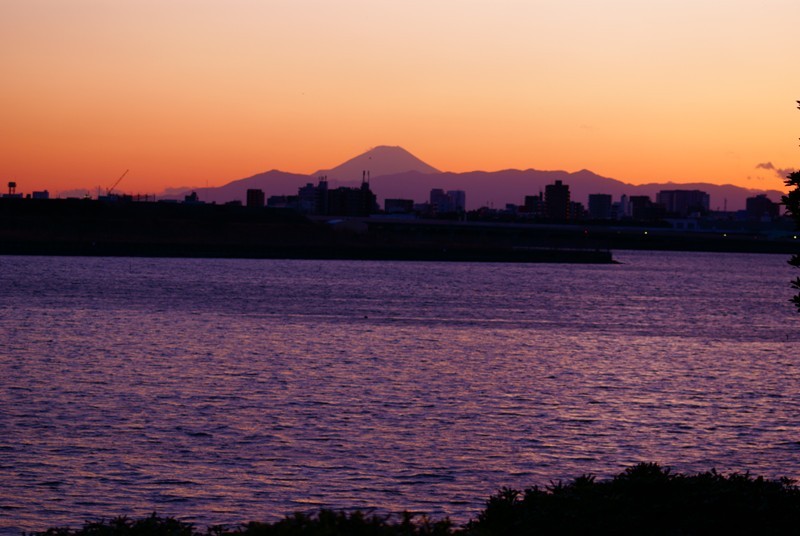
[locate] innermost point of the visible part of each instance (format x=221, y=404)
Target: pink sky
x=196, y=92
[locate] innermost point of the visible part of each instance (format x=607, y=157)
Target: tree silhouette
x=792, y=203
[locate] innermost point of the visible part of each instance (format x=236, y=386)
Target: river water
x=224, y=391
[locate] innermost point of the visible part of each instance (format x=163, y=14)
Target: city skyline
x=201, y=93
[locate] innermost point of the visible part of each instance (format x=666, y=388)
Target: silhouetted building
x=439, y=201
x=458, y=200
x=352, y=201
x=191, y=199
x=44, y=194
x=398, y=206
x=761, y=207
x=556, y=199
x=642, y=208
x=307, y=199
x=534, y=206
x=600, y=206
x=624, y=207
x=255, y=198
x=683, y=202
x=12, y=191
x=576, y=211
x=425, y=209
x=283, y=201
x=339, y=201
x=313, y=199
x=446, y=202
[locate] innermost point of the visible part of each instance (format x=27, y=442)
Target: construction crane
x=108, y=191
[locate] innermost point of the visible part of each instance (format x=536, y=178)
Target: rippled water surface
x=224, y=391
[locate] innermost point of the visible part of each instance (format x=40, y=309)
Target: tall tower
x=556, y=200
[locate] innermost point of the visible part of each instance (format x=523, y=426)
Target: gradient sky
x=202, y=92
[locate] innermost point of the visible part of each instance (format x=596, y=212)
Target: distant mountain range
x=396, y=173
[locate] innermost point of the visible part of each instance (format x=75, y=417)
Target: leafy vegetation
x=792, y=203
x=646, y=499
x=643, y=499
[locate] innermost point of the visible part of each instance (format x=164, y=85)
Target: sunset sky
x=202, y=92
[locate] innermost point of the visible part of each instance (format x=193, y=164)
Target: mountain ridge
x=483, y=188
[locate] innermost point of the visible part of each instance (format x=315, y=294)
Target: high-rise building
x=761, y=207
x=313, y=199
x=600, y=206
x=445, y=202
x=458, y=200
x=255, y=198
x=576, y=210
x=683, y=202
x=643, y=208
x=556, y=199
x=344, y=201
x=439, y=201
x=338, y=201
x=624, y=207
x=534, y=205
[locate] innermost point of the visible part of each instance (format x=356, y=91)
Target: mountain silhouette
x=271, y=182
x=396, y=173
x=381, y=160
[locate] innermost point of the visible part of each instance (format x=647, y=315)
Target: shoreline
x=308, y=252
x=74, y=227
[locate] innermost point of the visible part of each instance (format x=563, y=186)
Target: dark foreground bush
x=324, y=523
x=647, y=499
x=644, y=499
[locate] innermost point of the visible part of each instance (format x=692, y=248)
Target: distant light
x=645, y=232
x=795, y=237
x=724, y=234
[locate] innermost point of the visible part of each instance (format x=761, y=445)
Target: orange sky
x=196, y=92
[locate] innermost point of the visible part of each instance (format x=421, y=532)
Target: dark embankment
x=95, y=228
x=644, y=499
x=599, y=235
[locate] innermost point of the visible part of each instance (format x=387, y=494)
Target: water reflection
x=224, y=391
